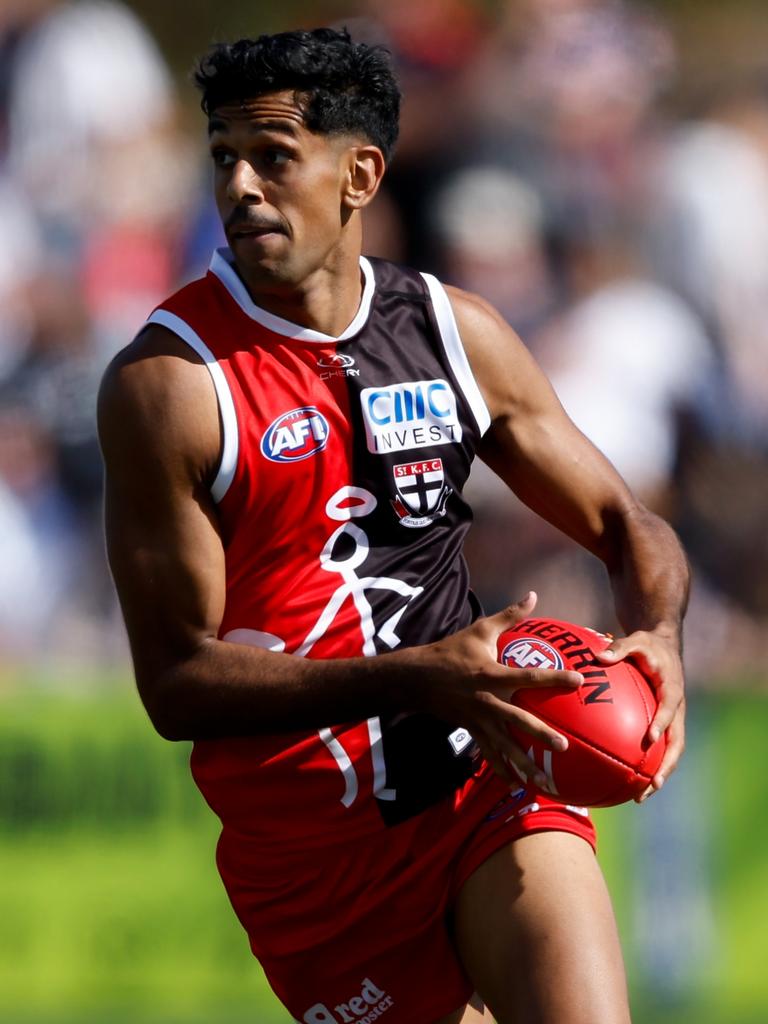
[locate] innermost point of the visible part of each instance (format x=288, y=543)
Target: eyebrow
x=217, y=124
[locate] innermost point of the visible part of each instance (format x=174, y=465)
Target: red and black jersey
x=340, y=501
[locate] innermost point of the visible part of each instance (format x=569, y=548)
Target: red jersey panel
x=341, y=512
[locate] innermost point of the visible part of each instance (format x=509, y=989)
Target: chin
x=260, y=272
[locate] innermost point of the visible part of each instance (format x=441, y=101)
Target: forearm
x=649, y=574
x=650, y=580
x=226, y=689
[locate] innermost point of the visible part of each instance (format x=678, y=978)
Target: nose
x=244, y=184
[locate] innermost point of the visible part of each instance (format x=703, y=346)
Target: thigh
x=377, y=972
x=536, y=934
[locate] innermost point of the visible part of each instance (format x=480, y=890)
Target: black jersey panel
x=414, y=439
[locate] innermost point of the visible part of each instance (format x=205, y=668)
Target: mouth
x=253, y=241
x=256, y=232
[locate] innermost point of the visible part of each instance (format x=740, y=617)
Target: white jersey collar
x=222, y=265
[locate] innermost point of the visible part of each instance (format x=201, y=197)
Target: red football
x=604, y=721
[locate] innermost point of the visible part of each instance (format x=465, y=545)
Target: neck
x=325, y=300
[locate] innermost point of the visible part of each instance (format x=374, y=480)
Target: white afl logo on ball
x=528, y=652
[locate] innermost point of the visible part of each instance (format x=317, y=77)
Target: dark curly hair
x=349, y=87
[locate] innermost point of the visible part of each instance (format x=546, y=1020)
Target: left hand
x=657, y=655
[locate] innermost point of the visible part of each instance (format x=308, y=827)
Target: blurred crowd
x=540, y=165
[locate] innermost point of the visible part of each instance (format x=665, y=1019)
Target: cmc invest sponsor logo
x=411, y=414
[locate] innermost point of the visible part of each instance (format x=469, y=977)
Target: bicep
x=163, y=541
x=167, y=561
x=557, y=472
x=532, y=444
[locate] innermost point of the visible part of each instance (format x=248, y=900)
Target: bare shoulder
x=506, y=372
x=473, y=311
x=157, y=400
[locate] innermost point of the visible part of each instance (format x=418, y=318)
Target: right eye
x=222, y=158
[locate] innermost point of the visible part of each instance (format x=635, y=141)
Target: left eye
x=277, y=157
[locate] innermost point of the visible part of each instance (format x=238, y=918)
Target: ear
x=364, y=169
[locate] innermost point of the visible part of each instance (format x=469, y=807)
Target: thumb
x=514, y=613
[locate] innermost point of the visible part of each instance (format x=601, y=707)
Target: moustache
x=241, y=220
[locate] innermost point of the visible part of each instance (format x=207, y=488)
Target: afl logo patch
x=528, y=652
x=295, y=435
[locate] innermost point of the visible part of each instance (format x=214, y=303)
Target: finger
x=512, y=679
x=672, y=755
x=513, y=613
x=534, y=678
x=527, y=722
x=507, y=757
x=493, y=750
x=675, y=747
x=496, y=762
x=617, y=649
x=671, y=699
x=535, y=727
x=652, y=788
x=636, y=647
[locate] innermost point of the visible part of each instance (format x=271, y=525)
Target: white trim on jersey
x=221, y=266
x=454, y=349
x=230, y=440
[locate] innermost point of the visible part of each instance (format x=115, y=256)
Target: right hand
x=464, y=683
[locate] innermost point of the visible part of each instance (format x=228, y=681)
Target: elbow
x=621, y=525
x=162, y=707
x=637, y=531
x=168, y=729
x=176, y=693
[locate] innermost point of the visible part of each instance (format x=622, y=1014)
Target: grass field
x=111, y=910
x=134, y=927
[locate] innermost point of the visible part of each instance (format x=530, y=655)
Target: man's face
x=278, y=189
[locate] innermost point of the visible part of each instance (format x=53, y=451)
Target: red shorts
x=388, y=899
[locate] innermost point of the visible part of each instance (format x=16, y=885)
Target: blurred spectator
x=433, y=44
x=17, y=17
x=626, y=359
x=25, y=591
x=87, y=80
x=711, y=238
x=20, y=258
x=534, y=167
x=90, y=86
x=566, y=89
x=489, y=224
x=98, y=182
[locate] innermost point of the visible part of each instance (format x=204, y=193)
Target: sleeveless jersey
x=339, y=495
